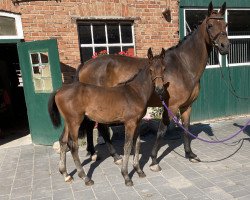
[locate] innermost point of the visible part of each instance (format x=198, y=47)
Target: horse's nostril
x=222, y=45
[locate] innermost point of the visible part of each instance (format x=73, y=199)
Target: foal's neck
x=142, y=85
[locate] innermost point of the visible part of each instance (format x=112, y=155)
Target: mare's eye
x=210, y=25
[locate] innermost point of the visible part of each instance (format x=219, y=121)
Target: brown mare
x=125, y=103
x=186, y=63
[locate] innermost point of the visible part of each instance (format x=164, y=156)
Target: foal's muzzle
x=159, y=91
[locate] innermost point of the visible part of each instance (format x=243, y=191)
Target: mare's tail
x=53, y=111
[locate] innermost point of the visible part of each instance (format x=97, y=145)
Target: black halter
x=215, y=38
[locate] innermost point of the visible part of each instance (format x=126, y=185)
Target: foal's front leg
x=185, y=117
x=136, y=155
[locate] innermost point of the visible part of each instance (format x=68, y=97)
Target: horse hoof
x=94, y=157
x=142, y=175
x=118, y=162
x=129, y=183
x=89, y=183
x=68, y=179
x=155, y=168
x=194, y=160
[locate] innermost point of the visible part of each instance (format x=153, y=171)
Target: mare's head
x=157, y=67
x=216, y=29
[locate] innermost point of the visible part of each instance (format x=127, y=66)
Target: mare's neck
x=195, y=52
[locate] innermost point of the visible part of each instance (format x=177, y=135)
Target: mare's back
x=110, y=70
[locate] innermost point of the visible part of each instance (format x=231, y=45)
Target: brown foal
x=125, y=103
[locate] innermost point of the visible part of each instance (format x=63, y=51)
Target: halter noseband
x=157, y=77
x=218, y=35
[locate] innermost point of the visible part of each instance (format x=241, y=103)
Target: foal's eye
x=226, y=24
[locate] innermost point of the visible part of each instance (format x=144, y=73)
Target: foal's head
x=157, y=67
x=216, y=29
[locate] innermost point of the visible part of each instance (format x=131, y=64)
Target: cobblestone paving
x=31, y=172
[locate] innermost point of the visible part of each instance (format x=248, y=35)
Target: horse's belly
x=106, y=116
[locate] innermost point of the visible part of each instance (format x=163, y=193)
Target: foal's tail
x=53, y=111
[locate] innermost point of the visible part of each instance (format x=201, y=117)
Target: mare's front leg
x=104, y=131
x=73, y=144
x=63, y=149
x=164, y=123
x=185, y=117
x=130, y=128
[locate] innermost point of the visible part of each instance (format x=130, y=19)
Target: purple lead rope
x=196, y=137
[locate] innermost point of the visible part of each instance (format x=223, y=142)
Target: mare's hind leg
x=137, y=141
x=86, y=128
x=73, y=143
x=90, y=144
x=63, y=149
x=130, y=128
x=104, y=131
x=185, y=117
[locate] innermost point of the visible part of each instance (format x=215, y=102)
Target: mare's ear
x=210, y=9
x=162, y=55
x=150, y=54
x=223, y=9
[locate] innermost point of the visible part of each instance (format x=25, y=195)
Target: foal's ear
x=223, y=9
x=162, y=55
x=210, y=9
x=150, y=54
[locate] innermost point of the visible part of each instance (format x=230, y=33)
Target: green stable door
x=40, y=68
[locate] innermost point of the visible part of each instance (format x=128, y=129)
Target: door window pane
x=41, y=72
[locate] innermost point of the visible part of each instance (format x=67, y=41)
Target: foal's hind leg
x=74, y=151
x=185, y=117
x=63, y=148
x=104, y=130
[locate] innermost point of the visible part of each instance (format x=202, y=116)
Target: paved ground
x=31, y=172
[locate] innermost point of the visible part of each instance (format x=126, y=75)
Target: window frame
x=18, y=23
x=185, y=33
x=236, y=37
x=107, y=45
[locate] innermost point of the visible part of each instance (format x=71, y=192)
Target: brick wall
x=51, y=19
